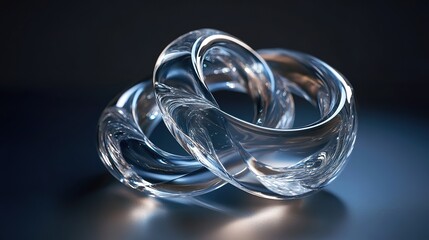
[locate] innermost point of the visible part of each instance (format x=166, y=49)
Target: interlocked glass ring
x=267, y=157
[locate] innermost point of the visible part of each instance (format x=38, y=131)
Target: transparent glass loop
x=267, y=157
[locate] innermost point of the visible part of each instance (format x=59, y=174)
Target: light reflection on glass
x=115, y=212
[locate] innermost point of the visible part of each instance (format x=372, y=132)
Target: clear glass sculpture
x=266, y=157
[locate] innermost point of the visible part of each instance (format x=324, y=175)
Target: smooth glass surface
x=265, y=157
x=127, y=122
x=263, y=160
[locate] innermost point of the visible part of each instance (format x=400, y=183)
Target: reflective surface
x=369, y=200
x=122, y=213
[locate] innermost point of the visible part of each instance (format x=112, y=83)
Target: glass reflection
x=112, y=211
